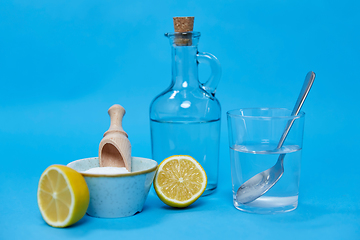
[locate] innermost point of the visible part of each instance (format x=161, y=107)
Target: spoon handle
x=309, y=80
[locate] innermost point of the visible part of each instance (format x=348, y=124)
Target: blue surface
x=64, y=63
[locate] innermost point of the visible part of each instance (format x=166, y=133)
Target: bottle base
x=210, y=189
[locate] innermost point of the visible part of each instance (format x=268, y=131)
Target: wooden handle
x=116, y=113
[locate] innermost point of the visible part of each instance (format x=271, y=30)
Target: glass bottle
x=185, y=118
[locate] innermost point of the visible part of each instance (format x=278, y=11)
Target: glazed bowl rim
x=149, y=170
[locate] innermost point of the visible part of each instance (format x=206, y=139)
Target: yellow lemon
x=63, y=196
x=180, y=180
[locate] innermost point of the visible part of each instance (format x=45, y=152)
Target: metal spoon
x=262, y=182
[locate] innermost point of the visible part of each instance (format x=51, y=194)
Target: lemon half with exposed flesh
x=63, y=196
x=180, y=180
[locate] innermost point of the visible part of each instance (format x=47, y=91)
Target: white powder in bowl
x=107, y=170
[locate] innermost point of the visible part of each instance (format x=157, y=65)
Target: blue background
x=64, y=63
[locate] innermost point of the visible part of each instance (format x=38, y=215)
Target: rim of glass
x=183, y=34
x=233, y=114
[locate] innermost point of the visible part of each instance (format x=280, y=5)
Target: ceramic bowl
x=117, y=195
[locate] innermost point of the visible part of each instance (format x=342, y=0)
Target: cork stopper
x=183, y=25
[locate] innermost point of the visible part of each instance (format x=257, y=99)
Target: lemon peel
x=180, y=180
x=63, y=196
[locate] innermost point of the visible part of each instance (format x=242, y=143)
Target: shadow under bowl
x=117, y=195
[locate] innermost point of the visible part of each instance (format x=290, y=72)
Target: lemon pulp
x=63, y=196
x=180, y=181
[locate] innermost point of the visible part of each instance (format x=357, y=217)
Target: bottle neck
x=184, y=67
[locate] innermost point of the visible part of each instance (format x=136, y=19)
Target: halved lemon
x=63, y=196
x=180, y=180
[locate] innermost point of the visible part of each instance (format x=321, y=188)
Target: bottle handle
x=211, y=84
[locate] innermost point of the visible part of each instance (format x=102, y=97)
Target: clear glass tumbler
x=254, y=135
